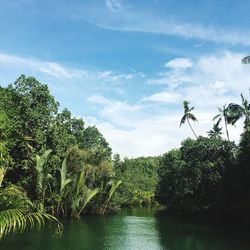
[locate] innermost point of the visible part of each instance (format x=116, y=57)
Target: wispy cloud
x=53, y=69
x=119, y=113
x=111, y=76
x=114, y=5
x=60, y=71
x=164, y=97
x=179, y=63
x=140, y=20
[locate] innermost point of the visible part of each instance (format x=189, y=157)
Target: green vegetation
x=139, y=179
x=209, y=175
x=51, y=164
x=17, y=213
x=188, y=116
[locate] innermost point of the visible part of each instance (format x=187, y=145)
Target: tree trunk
x=226, y=128
x=192, y=129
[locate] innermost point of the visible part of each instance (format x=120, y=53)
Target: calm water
x=133, y=229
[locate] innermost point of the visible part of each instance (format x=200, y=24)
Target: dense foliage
x=209, y=175
x=193, y=179
x=61, y=164
x=139, y=177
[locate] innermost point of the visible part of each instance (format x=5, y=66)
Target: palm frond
x=89, y=194
x=192, y=117
x=19, y=220
x=217, y=117
x=183, y=120
x=64, y=180
x=114, y=186
x=40, y=169
x=2, y=171
x=16, y=213
x=246, y=60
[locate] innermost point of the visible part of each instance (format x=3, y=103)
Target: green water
x=133, y=229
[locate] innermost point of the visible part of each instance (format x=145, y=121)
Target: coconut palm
x=246, y=60
x=224, y=115
x=238, y=111
x=188, y=116
x=215, y=132
x=17, y=213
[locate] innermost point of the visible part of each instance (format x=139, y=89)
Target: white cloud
x=53, y=69
x=172, y=78
x=147, y=128
x=146, y=136
x=164, y=97
x=119, y=113
x=99, y=100
x=111, y=76
x=179, y=63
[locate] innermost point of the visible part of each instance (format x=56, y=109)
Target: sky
x=126, y=66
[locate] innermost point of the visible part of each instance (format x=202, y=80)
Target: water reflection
x=131, y=229
x=183, y=234
x=133, y=232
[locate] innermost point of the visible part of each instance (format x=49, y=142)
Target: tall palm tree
x=188, y=116
x=215, y=132
x=238, y=111
x=224, y=115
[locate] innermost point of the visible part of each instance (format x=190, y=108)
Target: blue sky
x=126, y=66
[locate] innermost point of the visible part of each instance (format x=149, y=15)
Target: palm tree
x=224, y=114
x=17, y=213
x=215, y=132
x=246, y=60
x=238, y=111
x=188, y=116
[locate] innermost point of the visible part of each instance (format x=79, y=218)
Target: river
x=133, y=229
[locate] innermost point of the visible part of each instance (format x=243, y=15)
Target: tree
x=189, y=177
x=29, y=108
x=237, y=111
x=215, y=131
x=246, y=60
x=225, y=115
x=188, y=116
x=139, y=179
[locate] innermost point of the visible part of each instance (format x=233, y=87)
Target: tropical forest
x=124, y=125
x=54, y=166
